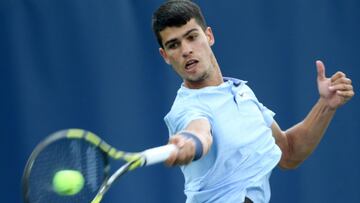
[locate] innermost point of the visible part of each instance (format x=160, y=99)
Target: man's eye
x=173, y=45
x=192, y=37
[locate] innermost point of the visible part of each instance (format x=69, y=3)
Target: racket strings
x=66, y=154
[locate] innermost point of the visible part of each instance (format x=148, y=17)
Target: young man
x=228, y=142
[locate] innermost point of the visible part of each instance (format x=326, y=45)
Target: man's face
x=188, y=50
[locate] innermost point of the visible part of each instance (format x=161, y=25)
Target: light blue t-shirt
x=243, y=152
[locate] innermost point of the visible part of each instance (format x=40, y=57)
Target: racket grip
x=158, y=154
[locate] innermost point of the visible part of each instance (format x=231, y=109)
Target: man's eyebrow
x=190, y=31
x=184, y=35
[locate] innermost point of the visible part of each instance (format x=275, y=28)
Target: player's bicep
x=283, y=142
x=202, y=129
x=277, y=133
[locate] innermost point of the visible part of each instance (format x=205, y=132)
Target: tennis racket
x=82, y=151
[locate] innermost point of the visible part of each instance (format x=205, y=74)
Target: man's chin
x=198, y=78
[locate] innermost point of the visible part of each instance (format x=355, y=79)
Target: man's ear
x=210, y=36
x=164, y=55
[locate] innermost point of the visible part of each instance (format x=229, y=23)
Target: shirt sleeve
x=268, y=115
x=182, y=113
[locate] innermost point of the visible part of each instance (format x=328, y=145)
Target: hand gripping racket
x=82, y=151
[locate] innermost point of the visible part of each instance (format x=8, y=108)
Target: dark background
x=95, y=65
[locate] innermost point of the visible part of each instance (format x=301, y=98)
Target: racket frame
x=133, y=160
x=52, y=138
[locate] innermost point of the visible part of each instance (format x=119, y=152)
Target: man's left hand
x=336, y=90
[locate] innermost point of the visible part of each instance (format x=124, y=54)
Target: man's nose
x=186, y=50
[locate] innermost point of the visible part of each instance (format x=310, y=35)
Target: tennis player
x=228, y=141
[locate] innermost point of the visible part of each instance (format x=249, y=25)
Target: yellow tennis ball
x=68, y=182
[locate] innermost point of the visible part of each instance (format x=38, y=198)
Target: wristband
x=198, y=144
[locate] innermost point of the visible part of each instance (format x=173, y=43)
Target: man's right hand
x=201, y=129
x=185, y=153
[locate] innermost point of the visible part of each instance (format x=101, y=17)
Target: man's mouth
x=191, y=64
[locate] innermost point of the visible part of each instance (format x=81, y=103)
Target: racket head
x=63, y=150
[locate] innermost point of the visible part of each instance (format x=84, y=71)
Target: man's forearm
x=306, y=135
x=298, y=142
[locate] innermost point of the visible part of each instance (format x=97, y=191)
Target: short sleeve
x=182, y=113
x=268, y=115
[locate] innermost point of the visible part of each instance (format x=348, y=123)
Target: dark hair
x=176, y=13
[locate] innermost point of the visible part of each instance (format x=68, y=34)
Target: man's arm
x=298, y=142
x=186, y=146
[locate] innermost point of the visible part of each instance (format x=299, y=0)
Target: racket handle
x=158, y=154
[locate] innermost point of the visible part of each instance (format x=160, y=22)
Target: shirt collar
x=227, y=82
x=235, y=81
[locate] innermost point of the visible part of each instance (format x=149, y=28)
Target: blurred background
x=95, y=65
